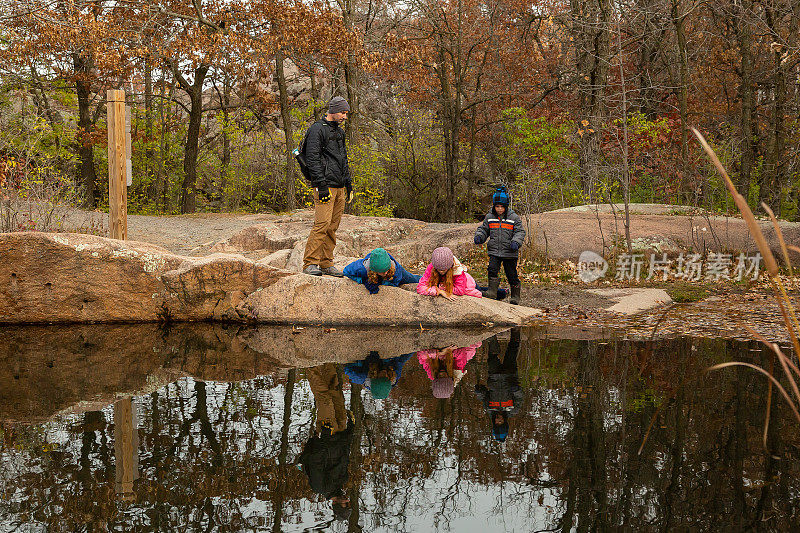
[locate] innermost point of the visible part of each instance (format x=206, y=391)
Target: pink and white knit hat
x=442, y=258
x=443, y=387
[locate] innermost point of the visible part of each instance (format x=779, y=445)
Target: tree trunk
x=85, y=149
x=449, y=116
x=350, y=75
x=41, y=100
x=471, y=162
x=747, y=98
x=149, y=152
x=279, y=495
x=314, y=90
x=590, y=29
x=648, y=54
x=626, y=175
x=162, y=178
x=291, y=194
x=450, y=99
x=225, y=162
x=192, y=147
x=678, y=20
x=774, y=170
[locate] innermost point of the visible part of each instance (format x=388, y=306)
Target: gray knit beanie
x=338, y=105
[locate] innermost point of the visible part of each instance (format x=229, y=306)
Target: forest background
x=564, y=101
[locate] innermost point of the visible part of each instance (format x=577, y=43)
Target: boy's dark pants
x=509, y=363
x=509, y=265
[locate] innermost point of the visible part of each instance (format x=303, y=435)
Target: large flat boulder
x=303, y=299
x=63, y=278
x=632, y=300
x=83, y=278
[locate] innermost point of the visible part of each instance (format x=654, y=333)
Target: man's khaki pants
x=322, y=240
x=328, y=397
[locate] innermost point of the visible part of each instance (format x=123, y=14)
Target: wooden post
x=126, y=447
x=117, y=166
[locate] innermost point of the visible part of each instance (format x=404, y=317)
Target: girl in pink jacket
x=447, y=277
x=445, y=367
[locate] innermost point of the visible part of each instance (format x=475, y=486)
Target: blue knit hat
x=500, y=431
x=500, y=196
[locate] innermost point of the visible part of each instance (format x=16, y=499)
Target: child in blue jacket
x=503, y=228
x=379, y=268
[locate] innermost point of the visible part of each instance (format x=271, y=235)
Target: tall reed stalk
x=787, y=308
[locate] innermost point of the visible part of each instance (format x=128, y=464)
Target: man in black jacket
x=326, y=158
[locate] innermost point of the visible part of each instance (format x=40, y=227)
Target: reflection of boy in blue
x=376, y=374
x=502, y=395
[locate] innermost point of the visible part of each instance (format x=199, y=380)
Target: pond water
x=201, y=427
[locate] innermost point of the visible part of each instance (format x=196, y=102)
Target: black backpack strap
x=326, y=131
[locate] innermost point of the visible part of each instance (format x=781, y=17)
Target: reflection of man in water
x=326, y=455
x=502, y=394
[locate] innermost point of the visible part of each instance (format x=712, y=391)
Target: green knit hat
x=379, y=261
x=380, y=388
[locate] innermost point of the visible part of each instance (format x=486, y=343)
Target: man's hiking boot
x=312, y=270
x=491, y=292
x=515, y=294
x=332, y=271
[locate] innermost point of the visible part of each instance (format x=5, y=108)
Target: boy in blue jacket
x=503, y=228
x=379, y=268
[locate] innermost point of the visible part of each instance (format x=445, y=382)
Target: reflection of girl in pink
x=445, y=367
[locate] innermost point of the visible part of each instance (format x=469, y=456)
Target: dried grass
x=790, y=369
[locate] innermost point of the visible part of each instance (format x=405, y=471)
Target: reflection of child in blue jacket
x=376, y=374
x=379, y=268
x=502, y=395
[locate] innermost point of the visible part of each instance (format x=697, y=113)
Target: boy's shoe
x=491, y=292
x=332, y=271
x=312, y=270
x=515, y=294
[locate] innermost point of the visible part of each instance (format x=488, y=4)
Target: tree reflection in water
x=222, y=455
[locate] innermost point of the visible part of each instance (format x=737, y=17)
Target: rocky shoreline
x=73, y=278
x=245, y=268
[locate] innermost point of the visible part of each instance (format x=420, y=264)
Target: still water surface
x=205, y=428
